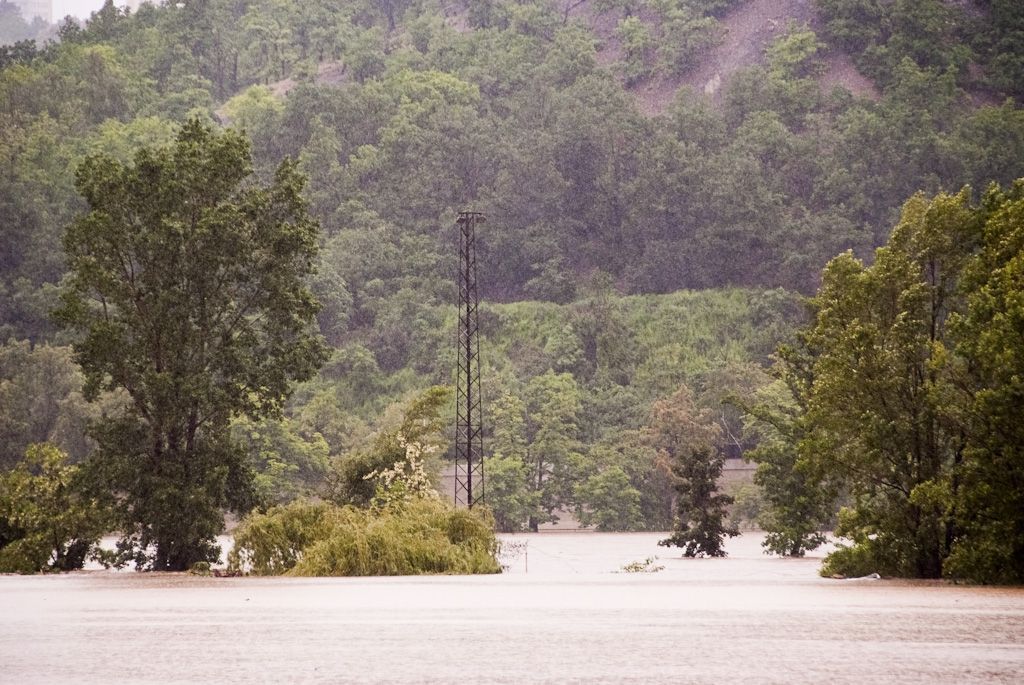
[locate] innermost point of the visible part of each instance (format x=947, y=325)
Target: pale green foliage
x=565, y=349
x=272, y=543
x=648, y=565
x=425, y=535
x=286, y=463
x=573, y=55
x=795, y=54
x=796, y=501
x=270, y=51
x=48, y=521
x=748, y=506
x=637, y=45
x=508, y=493
x=509, y=437
x=647, y=343
x=553, y=407
x=121, y=140
x=41, y=401
x=686, y=36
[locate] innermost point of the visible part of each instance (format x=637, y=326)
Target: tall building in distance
x=30, y=9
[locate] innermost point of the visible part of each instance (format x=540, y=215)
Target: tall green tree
x=553, y=409
x=188, y=290
x=877, y=394
x=989, y=501
x=904, y=394
x=509, y=485
x=798, y=498
x=608, y=501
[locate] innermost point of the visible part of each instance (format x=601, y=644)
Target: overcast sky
x=76, y=8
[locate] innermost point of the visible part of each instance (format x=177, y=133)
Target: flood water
x=561, y=614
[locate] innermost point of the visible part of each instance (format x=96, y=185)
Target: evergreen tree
x=689, y=439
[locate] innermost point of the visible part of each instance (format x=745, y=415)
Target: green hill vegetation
x=626, y=254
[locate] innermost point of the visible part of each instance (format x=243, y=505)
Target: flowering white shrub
x=406, y=480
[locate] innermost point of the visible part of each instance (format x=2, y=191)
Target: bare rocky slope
x=749, y=29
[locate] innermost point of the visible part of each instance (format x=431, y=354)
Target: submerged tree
x=904, y=394
x=688, y=439
x=879, y=391
x=553, y=410
x=187, y=285
x=48, y=520
x=987, y=490
x=510, y=492
x=798, y=499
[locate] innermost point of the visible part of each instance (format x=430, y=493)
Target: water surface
x=561, y=614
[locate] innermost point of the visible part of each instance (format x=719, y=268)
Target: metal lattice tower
x=469, y=453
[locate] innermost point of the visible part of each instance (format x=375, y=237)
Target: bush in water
x=421, y=536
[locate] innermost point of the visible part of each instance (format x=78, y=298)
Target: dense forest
x=660, y=205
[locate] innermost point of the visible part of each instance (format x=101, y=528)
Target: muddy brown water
x=560, y=614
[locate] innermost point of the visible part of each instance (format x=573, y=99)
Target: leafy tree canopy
x=187, y=289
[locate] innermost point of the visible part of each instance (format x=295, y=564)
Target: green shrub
x=48, y=522
x=648, y=565
x=874, y=550
x=271, y=544
x=854, y=561
x=986, y=558
x=422, y=536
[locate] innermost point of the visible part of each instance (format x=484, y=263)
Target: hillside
x=663, y=180
x=742, y=34
x=747, y=29
x=820, y=123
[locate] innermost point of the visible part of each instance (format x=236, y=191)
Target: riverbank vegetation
x=651, y=236
x=905, y=395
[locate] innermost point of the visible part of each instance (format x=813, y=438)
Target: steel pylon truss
x=469, y=465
